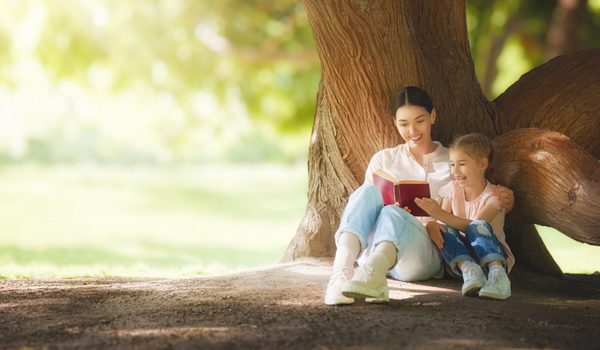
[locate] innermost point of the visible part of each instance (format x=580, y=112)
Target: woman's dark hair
x=478, y=146
x=411, y=96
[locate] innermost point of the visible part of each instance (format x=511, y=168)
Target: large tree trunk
x=369, y=51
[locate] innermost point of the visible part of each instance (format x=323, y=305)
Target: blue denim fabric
x=479, y=245
x=373, y=223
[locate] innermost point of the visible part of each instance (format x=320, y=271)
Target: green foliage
x=187, y=80
x=196, y=81
x=509, y=37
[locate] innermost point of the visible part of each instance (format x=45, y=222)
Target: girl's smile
x=468, y=173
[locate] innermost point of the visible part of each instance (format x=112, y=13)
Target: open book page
x=385, y=175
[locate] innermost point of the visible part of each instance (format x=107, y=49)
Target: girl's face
x=414, y=125
x=466, y=170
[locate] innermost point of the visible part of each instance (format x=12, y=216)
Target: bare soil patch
x=281, y=307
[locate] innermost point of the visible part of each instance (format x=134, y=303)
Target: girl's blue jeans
x=366, y=217
x=479, y=244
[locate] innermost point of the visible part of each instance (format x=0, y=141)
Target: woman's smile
x=416, y=138
x=414, y=125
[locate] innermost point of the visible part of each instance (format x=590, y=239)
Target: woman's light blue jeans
x=479, y=245
x=365, y=216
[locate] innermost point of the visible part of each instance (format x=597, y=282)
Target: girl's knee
x=481, y=231
x=480, y=228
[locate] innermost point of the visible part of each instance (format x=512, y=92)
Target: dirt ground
x=281, y=307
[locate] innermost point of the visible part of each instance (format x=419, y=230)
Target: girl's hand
x=405, y=208
x=434, y=228
x=431, y=206
x=505, y=196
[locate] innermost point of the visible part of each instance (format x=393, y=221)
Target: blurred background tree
x=199, y=81
x=158, y=81
x=508, y=37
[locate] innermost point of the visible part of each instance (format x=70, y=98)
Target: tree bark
x=561, y=95
x=555, y=182
x=525, y=242
x=369, y=51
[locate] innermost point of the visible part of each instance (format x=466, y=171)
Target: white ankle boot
x=343, y=271
x=369, y=281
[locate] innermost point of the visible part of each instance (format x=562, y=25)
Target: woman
x=393, y=241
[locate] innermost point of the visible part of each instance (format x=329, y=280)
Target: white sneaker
x=497, y=286
x=334, y=289
x=474, y=279
x=369, y=281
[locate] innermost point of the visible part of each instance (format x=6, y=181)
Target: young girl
x=469, y=206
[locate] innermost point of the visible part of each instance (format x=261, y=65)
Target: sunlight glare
x=100, y=15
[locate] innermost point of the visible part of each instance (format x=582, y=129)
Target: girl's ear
x=484, y=163
x=433, y=116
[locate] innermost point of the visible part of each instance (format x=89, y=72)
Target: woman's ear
x=433, y=116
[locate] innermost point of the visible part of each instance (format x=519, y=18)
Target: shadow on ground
x=280, y=306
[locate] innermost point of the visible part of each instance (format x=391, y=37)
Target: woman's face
x=414, y=125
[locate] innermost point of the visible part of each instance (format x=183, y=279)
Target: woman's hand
x=505, y=196
x=434, y=229
x=405, y=208
x=431, y=206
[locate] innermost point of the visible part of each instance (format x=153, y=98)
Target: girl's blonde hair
x=478, y=146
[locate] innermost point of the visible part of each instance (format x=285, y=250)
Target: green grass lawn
x=570, y=255
x=146, y=221
x=71, y=221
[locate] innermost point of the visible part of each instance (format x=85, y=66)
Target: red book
x=403, y=192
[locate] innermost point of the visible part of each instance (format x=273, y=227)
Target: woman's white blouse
x=401, y=164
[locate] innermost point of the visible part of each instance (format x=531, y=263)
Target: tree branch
x=556, y=182
x=561, y=95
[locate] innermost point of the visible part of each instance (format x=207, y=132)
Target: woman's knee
x=367, y=196
x=369, y=191
x=394, y=211
x=451, y=230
